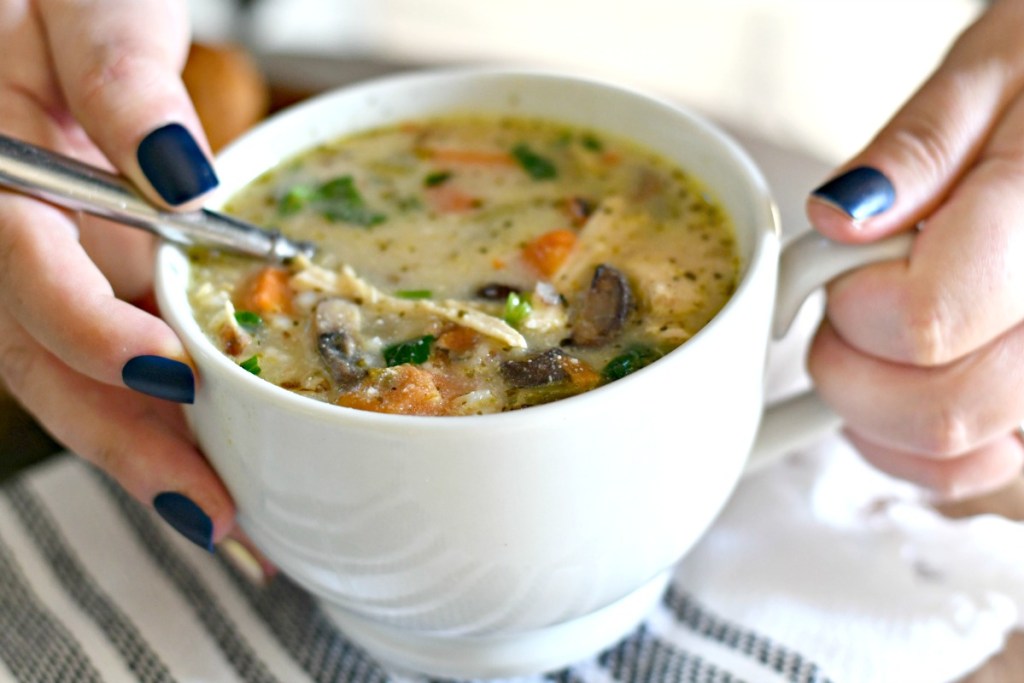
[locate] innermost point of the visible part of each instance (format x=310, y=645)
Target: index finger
x=964, y=285
x=908, y=170
x=118, y=62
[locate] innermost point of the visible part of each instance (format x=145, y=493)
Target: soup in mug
x=468, y=265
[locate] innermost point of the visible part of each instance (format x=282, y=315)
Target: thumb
x=118, y=64
x=911, y=166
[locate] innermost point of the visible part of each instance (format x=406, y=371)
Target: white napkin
x=859, y=573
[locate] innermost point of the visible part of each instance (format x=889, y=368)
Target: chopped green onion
x=252, y=364
x=415, y=351
x=517, y=308
x=436, y=178
x=248, y=319
x=629, y=362
x=414, y=294
x=536, y=166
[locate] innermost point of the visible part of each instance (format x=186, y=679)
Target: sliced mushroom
x=337, y=322
x=546, y=377
x=495, y=291
x=604, y=307
x=535, y=371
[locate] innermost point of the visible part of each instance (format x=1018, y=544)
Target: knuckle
x=109, y=65
x=925, y=341
x=15, y=362
x=947, y=434
x=926, y=145
x=935, y=137
x=108, y=456
x=927, y=330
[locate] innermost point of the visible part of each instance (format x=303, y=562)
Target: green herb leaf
x=340, y=200
x=535, y=165
x=414, y=294
x=517, y=308
x=415, y=351
x=337, y=199
x=629, y=362
x=248, y=319
x=252, y=364
x=436, y=178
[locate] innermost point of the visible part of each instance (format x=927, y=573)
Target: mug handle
x=806, y=264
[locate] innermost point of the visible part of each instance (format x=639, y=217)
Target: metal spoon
x=74, y=185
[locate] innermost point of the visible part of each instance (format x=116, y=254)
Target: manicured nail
x=186, y=518
x=175, y=165
x=161, y=377
x=860, y=193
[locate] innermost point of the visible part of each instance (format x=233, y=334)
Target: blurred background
x=819, y=76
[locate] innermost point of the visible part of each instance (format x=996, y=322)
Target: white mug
x=509, y=544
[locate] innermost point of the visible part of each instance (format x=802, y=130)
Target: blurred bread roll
x=228, y=89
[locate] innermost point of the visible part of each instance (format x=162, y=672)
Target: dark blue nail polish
x=175, y=165
x=860, y=193
x=160, y=377
x=186, y=517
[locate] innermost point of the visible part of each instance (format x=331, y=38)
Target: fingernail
x=161, y=377
x=860, y=193
x=175, y=165
x=186, y=518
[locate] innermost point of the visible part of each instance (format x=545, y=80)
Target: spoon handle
x=71, y=184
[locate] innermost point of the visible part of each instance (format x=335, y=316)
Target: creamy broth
x=468, y=265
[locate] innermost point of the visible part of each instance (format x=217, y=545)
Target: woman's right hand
x=99, y=81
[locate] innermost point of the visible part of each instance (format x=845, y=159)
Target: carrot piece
x=448, y=198
x=267, y=291
x=474, y=157
x=403, y=389
x=548, y=252
x=581, y=375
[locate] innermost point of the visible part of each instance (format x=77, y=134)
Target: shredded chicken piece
x=345, y=282
x=235, y=340
x=666, y=300
x=600, y=240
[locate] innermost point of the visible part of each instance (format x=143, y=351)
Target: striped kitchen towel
x=94, y=587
